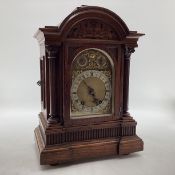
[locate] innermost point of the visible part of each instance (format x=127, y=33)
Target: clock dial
x=91, y=90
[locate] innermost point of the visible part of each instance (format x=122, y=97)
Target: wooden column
x=52, y=56
x=127, y=56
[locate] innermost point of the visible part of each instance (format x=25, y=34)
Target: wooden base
x=71, y=152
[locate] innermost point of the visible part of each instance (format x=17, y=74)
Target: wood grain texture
x=76, y=151
x=59, y=137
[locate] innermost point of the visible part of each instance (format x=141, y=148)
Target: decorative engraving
x=93, y=29
x=91, y=59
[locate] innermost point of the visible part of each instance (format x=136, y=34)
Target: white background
x=152, y=84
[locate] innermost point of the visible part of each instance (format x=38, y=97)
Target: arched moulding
x=89, y=22
x=92, y=22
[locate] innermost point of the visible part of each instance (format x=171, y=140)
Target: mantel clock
x=84, y=68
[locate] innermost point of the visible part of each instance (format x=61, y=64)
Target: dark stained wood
x=52, y=55
x=60, y=138
x=127, y=55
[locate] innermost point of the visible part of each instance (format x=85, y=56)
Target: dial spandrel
x=91, y=90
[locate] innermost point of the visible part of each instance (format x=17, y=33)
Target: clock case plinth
x=59, y=138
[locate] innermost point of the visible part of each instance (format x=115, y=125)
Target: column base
x=52, y=119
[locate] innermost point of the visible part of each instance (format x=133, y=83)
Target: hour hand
x=90, y=90
x=92, y=93
x=96, y=100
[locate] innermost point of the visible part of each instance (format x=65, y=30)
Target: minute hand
x=92, y=93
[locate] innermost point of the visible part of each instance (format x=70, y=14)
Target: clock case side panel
x=44, y=81
x=46, y=126
x=46, y=87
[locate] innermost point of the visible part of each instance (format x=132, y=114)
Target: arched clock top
x=94, y=23
x=89, y=22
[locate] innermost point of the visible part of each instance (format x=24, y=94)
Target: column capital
x=52, y=51
x=128, y=51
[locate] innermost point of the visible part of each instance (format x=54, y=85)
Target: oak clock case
x=84, y=68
